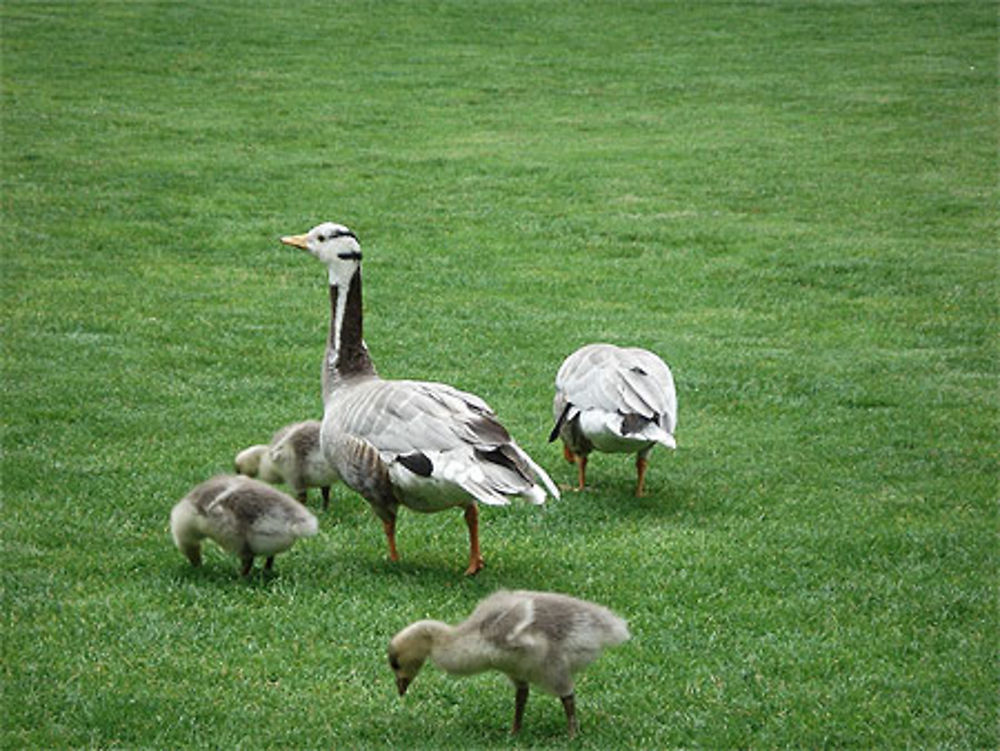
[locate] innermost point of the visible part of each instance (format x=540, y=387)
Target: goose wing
x=402, y=417
x=649, y=379
x=440, y=432
x=615, y=381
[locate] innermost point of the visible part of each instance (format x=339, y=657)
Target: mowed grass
x=793, y=203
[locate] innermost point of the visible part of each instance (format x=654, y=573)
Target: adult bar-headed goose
x=614, y=400
x=293, y=457
x=244, y=516
x=427, y=446
x=532, y=637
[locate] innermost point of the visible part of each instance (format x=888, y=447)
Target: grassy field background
x=794, y=203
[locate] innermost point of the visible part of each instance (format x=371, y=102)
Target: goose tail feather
x=544, y=477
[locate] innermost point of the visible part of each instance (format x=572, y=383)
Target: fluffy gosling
x=246, y=517
x=293, y=457
x=542, y=638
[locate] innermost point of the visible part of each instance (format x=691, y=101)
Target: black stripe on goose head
x=347, y=255
x=337, y=232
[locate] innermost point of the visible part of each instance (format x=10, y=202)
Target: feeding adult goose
x=244, y=516
x=427, y=446
x=532, y=637
x=614, y=400
x=293, y=457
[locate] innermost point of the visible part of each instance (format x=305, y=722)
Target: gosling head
x=256, y=462
x=184, y=529
x=408, y=651
x=248, y=461
x=333, y=244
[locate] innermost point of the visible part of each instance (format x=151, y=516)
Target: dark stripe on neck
x=352, y=357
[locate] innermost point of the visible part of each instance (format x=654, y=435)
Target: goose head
x=338, y=248
x=333, y=244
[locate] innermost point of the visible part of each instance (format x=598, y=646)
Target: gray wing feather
x=399, y=417
x=612, y=379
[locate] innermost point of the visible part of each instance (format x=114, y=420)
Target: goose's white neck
x=338, y=310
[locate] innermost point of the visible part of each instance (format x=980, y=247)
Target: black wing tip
x=633, y=423
x=418, y=463
x=559, y=423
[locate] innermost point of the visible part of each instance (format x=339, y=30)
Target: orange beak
x=296, y=241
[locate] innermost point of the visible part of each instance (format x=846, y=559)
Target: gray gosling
x=532, y=637
x=244, y=516
x=294, y=458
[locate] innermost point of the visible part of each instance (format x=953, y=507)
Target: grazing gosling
x=244, y=516
x=532, y=637
x=294, y=458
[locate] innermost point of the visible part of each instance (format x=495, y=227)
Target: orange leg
x=640, y=465
x=476, y=562
x=390, y=535
x=581, y=466
x=581, y=471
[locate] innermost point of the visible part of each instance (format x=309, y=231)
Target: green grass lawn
x=794, y=203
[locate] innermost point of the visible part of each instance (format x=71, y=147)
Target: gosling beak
x=296, y=241
x=402, y=682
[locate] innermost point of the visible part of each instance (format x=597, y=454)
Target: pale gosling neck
x=449, y=649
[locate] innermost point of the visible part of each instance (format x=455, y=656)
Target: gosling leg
x=193, y=553
x=247, y=565
x=269, y=563
x=325, y=492
x=476, y=562
x=520, y=700
x=570, y=706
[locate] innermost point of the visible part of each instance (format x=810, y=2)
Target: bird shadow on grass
x=224, y=574
x=478, y=709
x=607, y=501
x=422, y=569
